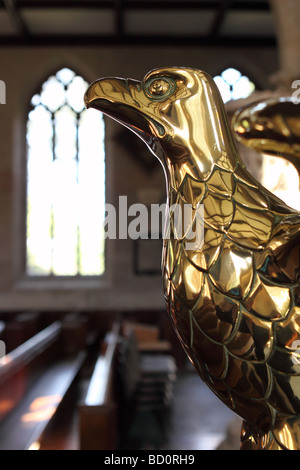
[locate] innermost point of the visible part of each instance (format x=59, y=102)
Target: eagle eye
x=159, y=88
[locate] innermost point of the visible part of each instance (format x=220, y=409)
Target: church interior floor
x=197, y=421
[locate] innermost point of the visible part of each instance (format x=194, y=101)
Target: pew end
x=98, y=412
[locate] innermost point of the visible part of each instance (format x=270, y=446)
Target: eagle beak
x=121, y=100
x=105, y=89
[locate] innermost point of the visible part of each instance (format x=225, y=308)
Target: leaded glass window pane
x=65, y=181
x=233, y=85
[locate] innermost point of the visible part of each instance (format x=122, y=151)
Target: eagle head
x=177, y=112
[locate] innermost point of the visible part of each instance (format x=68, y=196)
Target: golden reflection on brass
x=235, y=303
x=271, y=127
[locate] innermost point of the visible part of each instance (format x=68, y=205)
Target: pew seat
x=23, y=428
x=34, y=379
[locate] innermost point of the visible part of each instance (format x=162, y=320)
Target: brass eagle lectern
x=234, y=302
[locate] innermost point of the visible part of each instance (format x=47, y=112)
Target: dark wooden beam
x=138, y=41
x=119, y=23
x=218, y=21
x=250, y=5
x=143, y=4
x=16, y=17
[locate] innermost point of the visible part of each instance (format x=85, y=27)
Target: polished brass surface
x=270, y=127
x=234, y=303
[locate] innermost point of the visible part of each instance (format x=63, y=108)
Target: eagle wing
x=271, y=127
x=235, y=303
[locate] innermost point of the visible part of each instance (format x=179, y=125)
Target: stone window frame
x=21, y=281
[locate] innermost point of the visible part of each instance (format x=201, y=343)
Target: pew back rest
x=19, y=368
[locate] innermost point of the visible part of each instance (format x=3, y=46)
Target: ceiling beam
x=16, y=17
x=137, y=40
x=250, y=5
x=119, y=22
x=220, y=17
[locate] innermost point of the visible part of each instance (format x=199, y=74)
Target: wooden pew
x=148, y=337
x=98, y=417
x=34, y=379
x=20, y=328
x=75, y=332
x=147, y=377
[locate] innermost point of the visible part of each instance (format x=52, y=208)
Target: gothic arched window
x=65, y=181
x=233, y=85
